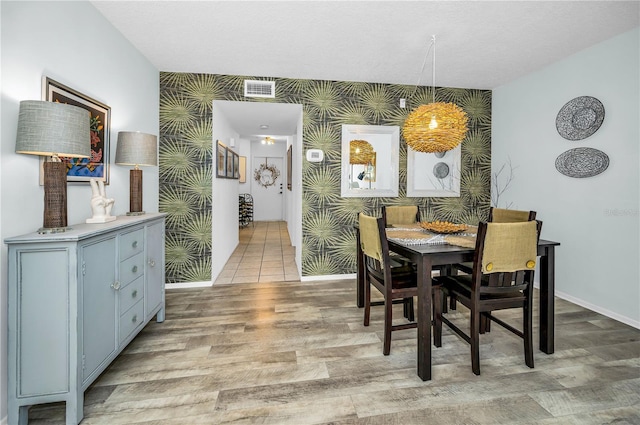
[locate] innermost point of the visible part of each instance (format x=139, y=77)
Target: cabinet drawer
x=131, y=269
x=131, y=243
x=131, y=294
x=131, y=319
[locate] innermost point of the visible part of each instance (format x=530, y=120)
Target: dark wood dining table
x=426, y=256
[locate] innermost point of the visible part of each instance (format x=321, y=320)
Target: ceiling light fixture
x=437, y=126
x=268, y=141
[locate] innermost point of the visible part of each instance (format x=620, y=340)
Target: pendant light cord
x=433, y=43
x=424, y=64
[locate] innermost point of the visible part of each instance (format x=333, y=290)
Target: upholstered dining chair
x=501, y=278
x=394, y=283
x=397, y=215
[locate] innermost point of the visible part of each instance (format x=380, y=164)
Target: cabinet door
x=154, y=290
x=99, y=314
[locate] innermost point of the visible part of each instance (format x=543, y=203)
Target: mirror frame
x=354, y=131
x=417, y=161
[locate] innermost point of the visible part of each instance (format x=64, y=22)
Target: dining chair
x=394, y=283
x=499, y=215
x=501, y=278
x=397, y=215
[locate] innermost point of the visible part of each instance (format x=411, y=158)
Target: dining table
x=431, y=254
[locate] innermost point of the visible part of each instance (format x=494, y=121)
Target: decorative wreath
x=266, y=175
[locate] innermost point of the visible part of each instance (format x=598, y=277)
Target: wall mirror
x=370, y=156
x=433, y=174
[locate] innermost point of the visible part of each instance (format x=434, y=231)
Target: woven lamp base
x=135, y=192
x=55, y=198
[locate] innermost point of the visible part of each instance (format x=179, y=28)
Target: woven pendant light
x=360, y=152
x=437, y=126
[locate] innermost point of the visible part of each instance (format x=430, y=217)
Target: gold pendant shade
x=360, y=152
x=436, y=127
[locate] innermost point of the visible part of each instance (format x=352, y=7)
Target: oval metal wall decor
x=582, y=162
x=580, y=118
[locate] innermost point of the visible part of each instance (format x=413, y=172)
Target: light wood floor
x=289, y=352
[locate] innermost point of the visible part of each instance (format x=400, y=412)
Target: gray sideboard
x=76, y=299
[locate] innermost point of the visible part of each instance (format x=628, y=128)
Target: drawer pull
x=134, y=269
x=134, y=244
x=152, y=263
x=134, y=293
x=134, y=319
x=115, y=285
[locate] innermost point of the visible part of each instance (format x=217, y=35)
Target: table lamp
x=135, y=148
x=53, y=130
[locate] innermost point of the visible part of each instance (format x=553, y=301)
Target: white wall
x=224, y=207
x=72, y=43
x=595, y=219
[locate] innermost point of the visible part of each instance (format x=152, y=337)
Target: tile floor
x=264, y=254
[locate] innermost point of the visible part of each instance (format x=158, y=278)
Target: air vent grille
x=253, y=88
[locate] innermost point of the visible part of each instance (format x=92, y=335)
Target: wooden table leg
x=547, y=291
x=424, y=317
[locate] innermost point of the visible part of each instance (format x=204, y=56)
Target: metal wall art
x=582, y=162
x=580, y=118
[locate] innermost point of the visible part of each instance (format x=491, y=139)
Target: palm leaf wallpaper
x=328, y=247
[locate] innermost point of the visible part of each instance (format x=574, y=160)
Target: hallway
x=264, y=254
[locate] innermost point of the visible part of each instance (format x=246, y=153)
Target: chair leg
x=475, y=341
x=527, y=329
x=409, y=310
x=367, y=301
x=388, y=309
x=439, y=304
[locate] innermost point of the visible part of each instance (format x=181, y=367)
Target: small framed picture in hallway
x=221, y=160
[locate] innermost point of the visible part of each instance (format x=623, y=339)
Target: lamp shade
x=53, y=129
x=135, y=148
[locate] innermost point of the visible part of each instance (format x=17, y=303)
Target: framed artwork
x=229, y=167
x=221, y=160
x=242, y=171
x=289, y=164
x=433, y=174
x=97, y=166
x=236, y=166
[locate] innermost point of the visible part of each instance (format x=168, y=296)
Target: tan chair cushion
x=509, y=247
x=370, y=237
x=401, y=215
x=501, y=215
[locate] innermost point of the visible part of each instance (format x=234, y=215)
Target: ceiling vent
x=254, y=88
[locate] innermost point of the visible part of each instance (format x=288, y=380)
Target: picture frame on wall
x=242, y=172
x=97, y=166
x=229, y=167
x=221, y=160
x=289, y=165
x=236, y=166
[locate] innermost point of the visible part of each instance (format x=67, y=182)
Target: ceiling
x=479, y=44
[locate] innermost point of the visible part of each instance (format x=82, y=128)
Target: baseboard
x=615, y=316
x=187, y=285
x=328, y=277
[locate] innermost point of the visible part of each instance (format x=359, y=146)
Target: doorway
x=268, y=190
x=243, y=125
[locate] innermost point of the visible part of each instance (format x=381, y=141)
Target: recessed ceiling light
x=264, y=126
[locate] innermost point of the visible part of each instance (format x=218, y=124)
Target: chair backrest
x=397, y=215
x=501, y=215
x=375, y=248
x=506, y=255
